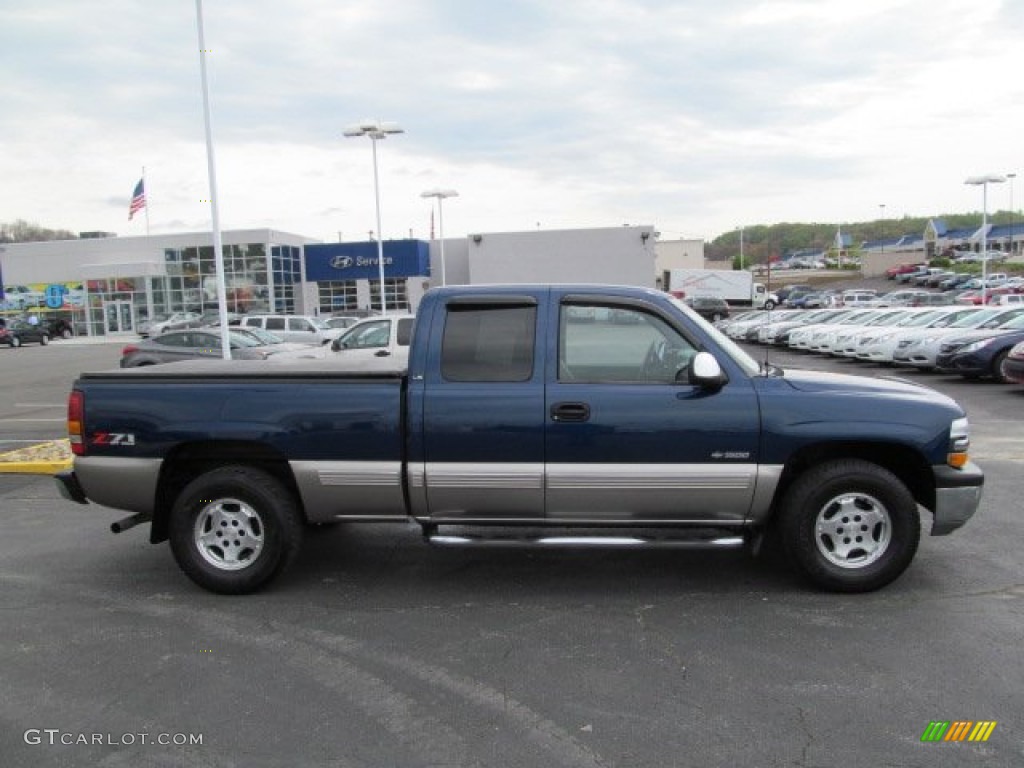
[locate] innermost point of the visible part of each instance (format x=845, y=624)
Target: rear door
x=477, y=412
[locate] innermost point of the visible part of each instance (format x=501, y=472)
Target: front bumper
x=957, y=496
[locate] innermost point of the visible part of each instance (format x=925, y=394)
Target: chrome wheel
x=228, y=533
x=853, y=530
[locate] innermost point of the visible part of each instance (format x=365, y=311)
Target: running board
x=588, y=542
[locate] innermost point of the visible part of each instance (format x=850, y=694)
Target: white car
x=879, y=345
x=848, y=340
x=373, y=338
x=304, y=329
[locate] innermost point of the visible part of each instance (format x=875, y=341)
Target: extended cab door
x=626, y=440
x=476, y=411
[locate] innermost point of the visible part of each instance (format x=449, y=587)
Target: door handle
x=382, y=353
x=570, y=412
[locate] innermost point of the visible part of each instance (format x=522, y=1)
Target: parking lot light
x=983, y=182
x=440, y=194
x=376, y=130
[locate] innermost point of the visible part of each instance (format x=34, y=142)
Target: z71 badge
x=112, y=438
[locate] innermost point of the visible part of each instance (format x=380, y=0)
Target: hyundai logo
x=341, y=262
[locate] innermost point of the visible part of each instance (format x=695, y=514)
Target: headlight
x=975, y=346
x=959, y=442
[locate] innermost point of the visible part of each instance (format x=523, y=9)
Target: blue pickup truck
x=586, y=415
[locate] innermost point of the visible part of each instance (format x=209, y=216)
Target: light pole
x=741, y=247
x=1011, y=177
x=440, y=194
x=983, y=182
x=881, y=207
x=376, y=130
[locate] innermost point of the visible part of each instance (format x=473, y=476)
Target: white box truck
x=736, y=286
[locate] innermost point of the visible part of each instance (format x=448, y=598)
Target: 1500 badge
x=730, y=455
x=112, y=438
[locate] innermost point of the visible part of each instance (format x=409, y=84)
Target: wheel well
x=188, y=461
x=904, y=462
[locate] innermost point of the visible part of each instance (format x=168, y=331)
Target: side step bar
x=588, y=542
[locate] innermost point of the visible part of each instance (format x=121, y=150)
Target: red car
x=902, y=269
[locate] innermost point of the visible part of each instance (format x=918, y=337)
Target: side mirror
x=336, y=345
x=705, y=372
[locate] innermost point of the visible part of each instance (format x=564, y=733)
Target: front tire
x=234, y=528
x=15, y=342
x=850, y=526
x=44, y=339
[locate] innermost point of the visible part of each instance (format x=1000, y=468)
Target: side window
x=599, y=344
x=368, y=335
x=299, y=324
x=275, y=324
x=174, y=340
x=488, y=343
x=404, y=333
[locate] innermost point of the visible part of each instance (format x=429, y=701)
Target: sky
x=695, y=116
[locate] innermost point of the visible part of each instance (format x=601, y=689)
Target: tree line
x=764, y=242
x=21, y=231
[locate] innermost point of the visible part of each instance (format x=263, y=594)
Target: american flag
x=138, y=199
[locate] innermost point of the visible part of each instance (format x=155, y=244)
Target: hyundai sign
x=326, y=262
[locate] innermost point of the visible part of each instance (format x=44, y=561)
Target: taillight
x=76, y=417
x=128, y=349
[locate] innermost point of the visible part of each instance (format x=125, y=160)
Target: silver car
x=191, y=344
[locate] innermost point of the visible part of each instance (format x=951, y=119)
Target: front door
x=117, y=317
x=627, y=441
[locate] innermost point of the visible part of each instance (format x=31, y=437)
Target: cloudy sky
x=695, y=116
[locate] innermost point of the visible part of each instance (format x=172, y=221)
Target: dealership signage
x=360, y=261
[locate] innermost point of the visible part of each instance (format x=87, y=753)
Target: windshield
x=738, y=355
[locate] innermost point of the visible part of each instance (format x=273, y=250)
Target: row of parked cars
x=274, y=337
x=972, y=341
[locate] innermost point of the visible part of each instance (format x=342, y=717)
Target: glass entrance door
x=117, y=317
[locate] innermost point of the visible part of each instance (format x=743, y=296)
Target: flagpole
x=218, y=248
x=147, y=198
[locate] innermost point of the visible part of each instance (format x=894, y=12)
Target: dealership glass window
x=337, y=296
x=394, y=292
x=285, y=266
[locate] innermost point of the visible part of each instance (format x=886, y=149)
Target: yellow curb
x=42, y=459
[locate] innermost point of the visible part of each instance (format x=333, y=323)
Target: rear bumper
x=69, y=487
x=957, y=496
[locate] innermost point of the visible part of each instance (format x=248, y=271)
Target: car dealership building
x=108, y=285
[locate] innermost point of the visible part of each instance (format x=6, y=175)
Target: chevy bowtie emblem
x=341, y=262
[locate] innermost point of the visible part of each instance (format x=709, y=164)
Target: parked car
x=191, y=344
x=1011, y=299
x=369, y=339
x=919, y=349
x=955, y=281
x=19, y=332
x=305, y=329
x=980, y=354
x=711, y=308
x=901, y=269
x=166, y=322
x=1013, y=365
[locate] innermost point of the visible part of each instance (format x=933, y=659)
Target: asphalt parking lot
x=376, y=650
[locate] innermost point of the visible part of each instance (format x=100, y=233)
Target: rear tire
x=850, y=526
x=234, y=528
x=15, y=342
x=44, y=339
